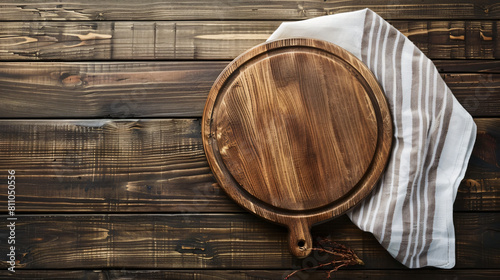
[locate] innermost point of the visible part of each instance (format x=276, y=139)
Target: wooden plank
x=481, y=179
x=224, y=9
x=58, y=274
x=429, y=274
x=169, y=89
x=144, y=166
x=139, y=40
x=158, y=166
x=478, y=93
x=106, y=89
x=229, y=241
x=468, y=66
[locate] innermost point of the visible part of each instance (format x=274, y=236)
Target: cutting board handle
x=299, y=238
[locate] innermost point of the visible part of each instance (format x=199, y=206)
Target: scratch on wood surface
x=485, y=38
x=92, y=36
x=24, y=40
x=233, y=36
x=191, y=248
x=461, y=37
x=94, y=123
x=89, y=36
x=426, y=31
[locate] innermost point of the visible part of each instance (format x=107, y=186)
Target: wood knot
x=194, y=246
x=471, y=183
x=99, y=16
x=70, y=80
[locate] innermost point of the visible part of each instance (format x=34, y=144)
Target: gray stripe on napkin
x=430, y=101
x=410, y=210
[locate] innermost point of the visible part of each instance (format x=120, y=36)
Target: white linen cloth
x=410, y=211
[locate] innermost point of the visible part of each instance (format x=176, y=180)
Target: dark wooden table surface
x=100, y=106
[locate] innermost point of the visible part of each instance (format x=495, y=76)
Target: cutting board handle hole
x=301, y=244
x=299, y=238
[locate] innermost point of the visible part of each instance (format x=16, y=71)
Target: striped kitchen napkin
x=410, y=211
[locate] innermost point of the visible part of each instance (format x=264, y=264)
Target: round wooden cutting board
x=297, y=131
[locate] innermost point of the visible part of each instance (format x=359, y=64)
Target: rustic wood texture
x=118, y=166
x=139, y=40
x=473, y=90
x=226, y=9
x=458, y=274
x=430, y=274
x=89, y=60
x=106, y=90
x=152, y=163
x=175, y=89
x=491, y=66
x=269, y=146
x=229, y=241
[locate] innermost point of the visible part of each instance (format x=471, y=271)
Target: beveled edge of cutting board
x=298, y=222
